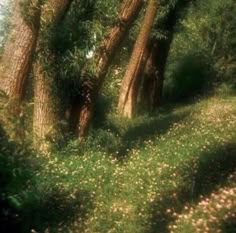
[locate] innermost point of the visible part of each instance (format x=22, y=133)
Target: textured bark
x=130, y=83
x=18, y=51
x=155, y=67
x=16, y=63
x=103, y=59
x=45, y=104
x=154, y=73
x=147, y=85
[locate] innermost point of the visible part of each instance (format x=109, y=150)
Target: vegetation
x=70, y=162
x=153, y=174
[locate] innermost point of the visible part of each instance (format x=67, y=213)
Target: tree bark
x=155, y=67
x=45, y=116
x=18, y=51
x=130, y=83
x=16, y=63
x=154, y=73
x=102, y=60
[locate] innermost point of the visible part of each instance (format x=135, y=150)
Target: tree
x=154, y=58
x=45, y=102
x=130, y=82
x=19, y=48
x=17, y=61
x=96, y=71
x=158, y=53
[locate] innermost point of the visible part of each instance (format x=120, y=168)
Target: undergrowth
x=173, y=171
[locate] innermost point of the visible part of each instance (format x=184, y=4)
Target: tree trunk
x=16, y=63
x=155, y=67
x=130, y=83
x=18, y=51
x=147, y=85
x=154, y=73
x=45, y=103
x=102, y=60
x=160, y=57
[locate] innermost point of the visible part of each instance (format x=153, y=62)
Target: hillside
x=174, y=173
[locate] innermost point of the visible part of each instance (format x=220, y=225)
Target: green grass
x=174, y=171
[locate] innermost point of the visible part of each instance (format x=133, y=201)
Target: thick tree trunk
x=45, y=103
x=130, y=83
x=154, y=72
x=147, y=85
x=102, y=60
x=18, y=51
x=152, y=90
x=160, y=57
x=16, y=63
x=155, y=67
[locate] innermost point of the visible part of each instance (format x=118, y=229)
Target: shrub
x=190, y=78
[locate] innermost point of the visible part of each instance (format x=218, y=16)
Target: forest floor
x=174, y=171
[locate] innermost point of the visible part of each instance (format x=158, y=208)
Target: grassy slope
x=178, y=174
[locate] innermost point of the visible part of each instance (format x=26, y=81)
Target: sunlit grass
x=175, y=173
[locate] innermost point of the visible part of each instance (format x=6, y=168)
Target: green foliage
x=30, y=10
x=205, y=39
x=168, y=12
x=166, y=172
x=5, y=13
x=16, y=180
x=16, y=120
x=221, y=33
x=77, y=38
x=82, y=32
x=151, y=174
x=191, y=76
x=172, y=162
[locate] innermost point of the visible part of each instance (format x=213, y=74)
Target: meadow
x=172, y=171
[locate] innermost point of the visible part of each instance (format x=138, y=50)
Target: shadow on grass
x=136, y=135
x=50, y=213
x=23, y=206
x=212, y=172
x=54, y=212
x=118, y=135
x=213, y=169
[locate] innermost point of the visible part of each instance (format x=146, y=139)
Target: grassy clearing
x=172, y=172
